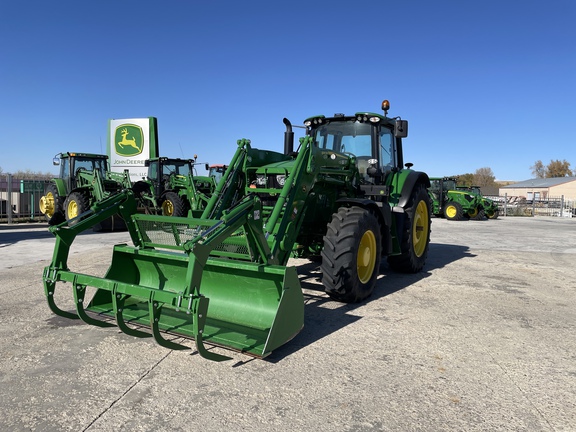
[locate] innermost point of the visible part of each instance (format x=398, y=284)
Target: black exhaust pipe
x=288, y=137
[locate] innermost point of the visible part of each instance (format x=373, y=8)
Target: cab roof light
x=385, y=106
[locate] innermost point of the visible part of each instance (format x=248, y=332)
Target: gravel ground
x=481, y=340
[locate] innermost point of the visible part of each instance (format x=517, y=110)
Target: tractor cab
x=160, y=169
x=373, y=140
x=72, y=164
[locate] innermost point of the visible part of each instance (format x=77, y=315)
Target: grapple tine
x=201, y=311
x=79, y=294
x=49, y=288
x=155, y=309
x=118, y=301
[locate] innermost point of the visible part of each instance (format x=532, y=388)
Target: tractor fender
x=61, y=187
x=411, y=179
x=384, y=214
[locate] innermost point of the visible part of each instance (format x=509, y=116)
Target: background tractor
x=451, y=203
x=344, y=194
x=489, y=207
x=172, y=189
x=83, y=180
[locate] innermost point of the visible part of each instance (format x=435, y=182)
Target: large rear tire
x=75, y=204
x=351, y=254
x=51, y=203
x=174, y=205
x=453, y=211
x=416, y=234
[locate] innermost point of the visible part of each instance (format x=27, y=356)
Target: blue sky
x=483, y=83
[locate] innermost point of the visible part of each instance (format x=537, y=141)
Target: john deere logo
x=129, y=140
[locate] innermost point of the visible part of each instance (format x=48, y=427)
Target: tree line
x=556, y=168
x=30, y=175
x=484, y=177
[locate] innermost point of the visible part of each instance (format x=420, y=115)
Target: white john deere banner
x=130, y=143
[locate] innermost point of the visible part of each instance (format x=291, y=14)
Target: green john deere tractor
x=489, y=208
x=344, y=194
x=84, y=179
x=451, y=203
x=172, y=189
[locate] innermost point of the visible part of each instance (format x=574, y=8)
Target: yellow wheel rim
x=474, y=212
x=47, y=204
x=366, y=258
x=72, y=209
x=420, y=229
x=167, y=208
x=450, y=211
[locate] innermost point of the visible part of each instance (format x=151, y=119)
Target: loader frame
x=222, y=278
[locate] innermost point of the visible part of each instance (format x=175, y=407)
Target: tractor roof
x=85, y=155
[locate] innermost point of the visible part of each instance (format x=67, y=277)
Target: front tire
x=174, y=205
x=480, y=215
x=415, y=235
x=351, y=254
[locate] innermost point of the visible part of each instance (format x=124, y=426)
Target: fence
x=19, y=199
x=551, y=206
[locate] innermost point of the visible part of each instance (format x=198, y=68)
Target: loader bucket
x=239, y=298
x=250, y=308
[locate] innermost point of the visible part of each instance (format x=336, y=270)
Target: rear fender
x=403, y=184
x=61, y=187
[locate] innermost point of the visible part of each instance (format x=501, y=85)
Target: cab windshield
x=355, y=137
x=87, y=164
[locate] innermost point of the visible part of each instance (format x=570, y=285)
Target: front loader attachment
x=212, y=280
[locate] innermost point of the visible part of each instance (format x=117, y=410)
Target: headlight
x=281, y=179
x=260, y=180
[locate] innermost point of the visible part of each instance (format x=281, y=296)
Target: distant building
x=542, y=188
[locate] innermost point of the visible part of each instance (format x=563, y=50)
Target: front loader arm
x=226, y=192
x=123, y=203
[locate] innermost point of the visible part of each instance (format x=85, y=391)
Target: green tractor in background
x=84, y=179
x=172, y=189
x=489, y=207
x=450, y=202
x=344, y=195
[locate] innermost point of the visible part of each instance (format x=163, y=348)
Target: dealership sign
x=130, y=143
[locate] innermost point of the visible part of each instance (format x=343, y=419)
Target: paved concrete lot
x=482, y=340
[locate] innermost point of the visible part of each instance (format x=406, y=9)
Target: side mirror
x=401, y=129
x=207, y=167
x=56, y=161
